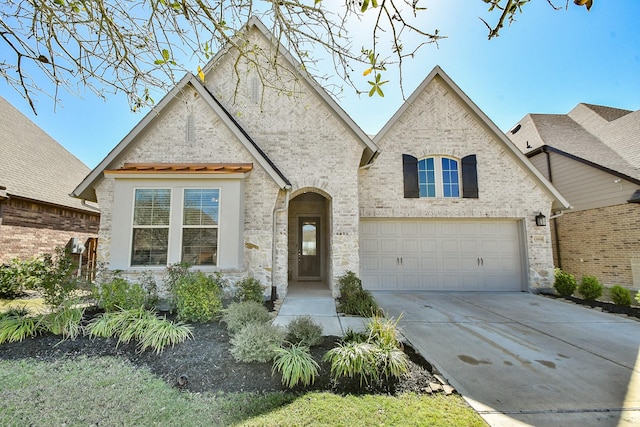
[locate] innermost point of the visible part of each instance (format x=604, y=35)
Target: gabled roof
x=370, y=147
x=85, y=189
x=602, y=137
x=561, y=134
x=516, y=154
x=33, y=165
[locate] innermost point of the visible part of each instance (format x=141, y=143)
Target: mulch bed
x=631, y=311
x=205, y=363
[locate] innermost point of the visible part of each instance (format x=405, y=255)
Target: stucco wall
x=439, y=123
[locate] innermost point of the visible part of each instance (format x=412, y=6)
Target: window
x=200, y=226
x=151, y=215
x=438, y=177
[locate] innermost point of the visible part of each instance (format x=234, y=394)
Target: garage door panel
x=441, y=255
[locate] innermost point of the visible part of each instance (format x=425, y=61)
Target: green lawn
x=110, y=391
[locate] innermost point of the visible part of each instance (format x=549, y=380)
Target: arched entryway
x=309, y=241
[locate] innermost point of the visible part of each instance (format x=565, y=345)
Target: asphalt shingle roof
x=33, y=165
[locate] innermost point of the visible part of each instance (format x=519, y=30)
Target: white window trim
x=439, y=182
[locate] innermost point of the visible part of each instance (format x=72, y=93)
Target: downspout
x=556, y=235
x=287, y=193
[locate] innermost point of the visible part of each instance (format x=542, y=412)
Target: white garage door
x=441, y=255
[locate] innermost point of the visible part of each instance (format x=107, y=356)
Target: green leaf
x=374, y=3
x=365, y=6
x=165, y=54
x=372, y=91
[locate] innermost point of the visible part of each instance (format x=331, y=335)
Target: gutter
x=287, y=190
x=83, y=202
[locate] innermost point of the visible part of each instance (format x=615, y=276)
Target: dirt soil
x=204, y=363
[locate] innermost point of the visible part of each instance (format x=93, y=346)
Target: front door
x=309, y=250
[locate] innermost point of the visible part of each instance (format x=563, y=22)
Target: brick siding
x=603, y=242
x=28, y=228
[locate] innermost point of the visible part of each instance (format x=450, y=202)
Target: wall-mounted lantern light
x=541, y=220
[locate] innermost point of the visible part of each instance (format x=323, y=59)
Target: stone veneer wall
x=438, y=123
x=29, y=228
x=602, y=242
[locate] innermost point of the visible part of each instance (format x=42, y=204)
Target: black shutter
x=410, y=176
x=469, y=177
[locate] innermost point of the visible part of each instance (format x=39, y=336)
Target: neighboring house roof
x=85, y=189
x=516, y=154
x=33, y=165
x=611, y=145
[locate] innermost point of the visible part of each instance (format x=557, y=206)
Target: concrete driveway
x=522, y=359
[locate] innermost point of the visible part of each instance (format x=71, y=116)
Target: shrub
x=620, y=295
x=141, y=325
x=257, y=342
x=638, y=297
x=564, y=283
x=250, y=289
x=380, y=355
x=198, y=297
x=15, y=326
x=354, y=336
x=19, y=275
x=240, y=314
x=304, y=331
x=174, y=273
x=56, y=281
x=119, y=294
x=65, y=322
x=590, y=288
x=353, y=359
x=353, y=299
x=296, y=365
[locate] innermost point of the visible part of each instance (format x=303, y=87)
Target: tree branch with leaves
x=138, y=46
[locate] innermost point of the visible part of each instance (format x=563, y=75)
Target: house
x=37, y=174
x=237, y=176
x=592, y=156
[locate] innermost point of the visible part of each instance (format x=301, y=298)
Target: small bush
x=249, y=289
x=353, y=359
x=296, y=365
x=564, y=283
x=198, y=297
x=353, y=299
x=257, y=342
x=380, y=355
x=65, y=322
x=620, y=296
x=240, y=314
x=304, y=331
x=638, y=297
x=354, y=336
x=141, y=325
x=590, y=288
x=119, y=294
x=57, y=282
x=16, y=327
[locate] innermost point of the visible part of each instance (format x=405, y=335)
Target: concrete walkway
x=521, y=359
x=321, y=306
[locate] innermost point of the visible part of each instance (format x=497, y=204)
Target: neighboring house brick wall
x=603, y=242
x=29, y=228
x=437, y=123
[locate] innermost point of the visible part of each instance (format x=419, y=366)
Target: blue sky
x=546, y=62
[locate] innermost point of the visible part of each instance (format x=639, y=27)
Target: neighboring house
x=242, y=178
x=37, y=174
x=592, y=156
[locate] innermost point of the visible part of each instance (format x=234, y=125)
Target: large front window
x=151, y=217
x=200, y=226
x=439, y=177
